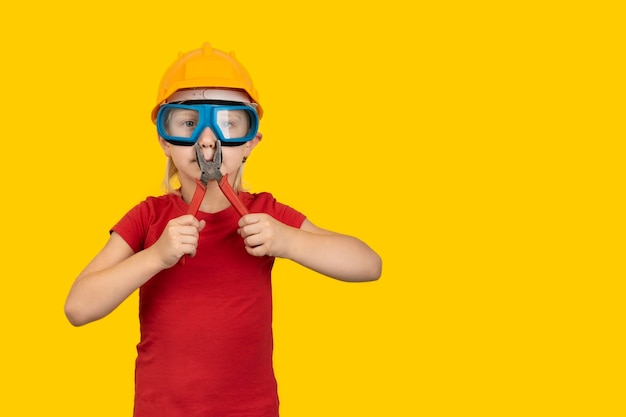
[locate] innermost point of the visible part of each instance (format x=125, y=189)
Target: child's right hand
x=180, y=237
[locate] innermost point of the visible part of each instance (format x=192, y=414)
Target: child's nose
x=207, y=138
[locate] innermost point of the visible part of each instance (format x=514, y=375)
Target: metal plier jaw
x=209, y=170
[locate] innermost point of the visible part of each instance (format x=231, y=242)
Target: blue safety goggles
x=182, y=124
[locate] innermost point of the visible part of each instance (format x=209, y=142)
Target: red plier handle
x=196, y=200
x=194, y=206
x=231, y=195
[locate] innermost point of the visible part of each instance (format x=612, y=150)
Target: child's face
x=184, y=157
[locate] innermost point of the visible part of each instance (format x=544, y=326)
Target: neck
x=213, y=200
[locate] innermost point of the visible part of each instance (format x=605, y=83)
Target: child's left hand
x=264, y=235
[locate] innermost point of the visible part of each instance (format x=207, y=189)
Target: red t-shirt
x=206, y=327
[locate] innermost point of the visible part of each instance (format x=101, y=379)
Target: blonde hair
x=171, y=184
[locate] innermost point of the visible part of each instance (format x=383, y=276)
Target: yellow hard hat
x=205, y=67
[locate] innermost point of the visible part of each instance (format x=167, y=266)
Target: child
x=206, y=319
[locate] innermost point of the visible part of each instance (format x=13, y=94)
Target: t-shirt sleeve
x=266, y=203
x=133, y=227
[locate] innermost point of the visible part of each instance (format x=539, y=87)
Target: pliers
x=210, y=170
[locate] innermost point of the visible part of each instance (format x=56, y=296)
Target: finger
x=188, y=239
x=188, y=245
x=253, y=240
x=247, y=219
x=250, y=230
x=188, y=220
x=184, y=231
x=257, y=250
x=193, y=251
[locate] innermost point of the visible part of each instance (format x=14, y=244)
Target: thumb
x=202, y=224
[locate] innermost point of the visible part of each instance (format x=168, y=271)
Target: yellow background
x=477, y=146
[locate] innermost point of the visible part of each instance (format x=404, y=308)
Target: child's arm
x=116, y=271
x=338, y=256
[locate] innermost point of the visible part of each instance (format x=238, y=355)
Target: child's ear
x=252, y=143
x=165, y=145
